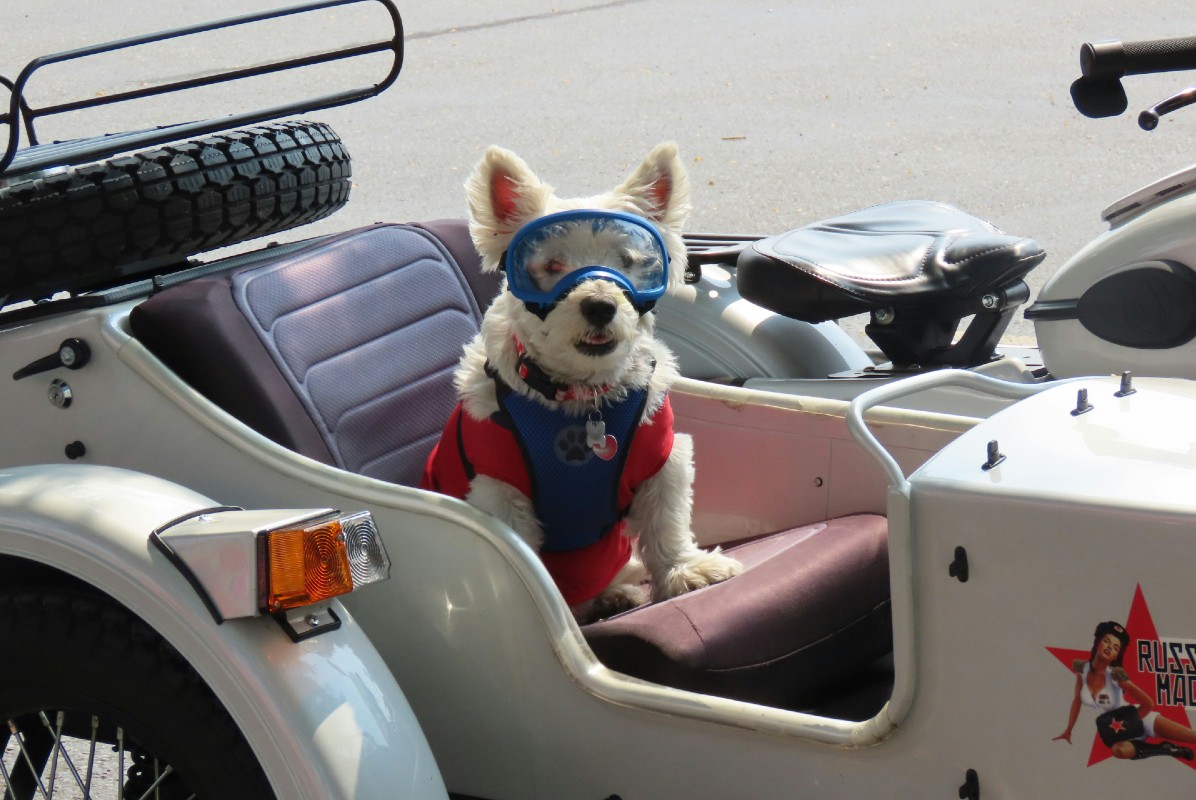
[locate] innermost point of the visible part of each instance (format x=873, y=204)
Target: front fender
x=324, y=716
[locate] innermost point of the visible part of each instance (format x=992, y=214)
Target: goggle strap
x=541, y=310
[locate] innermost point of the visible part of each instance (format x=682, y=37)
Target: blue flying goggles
x=549, y=256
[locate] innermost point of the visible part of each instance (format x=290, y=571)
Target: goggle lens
x=550, y=255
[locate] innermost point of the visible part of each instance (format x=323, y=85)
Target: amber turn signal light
x=324, y=558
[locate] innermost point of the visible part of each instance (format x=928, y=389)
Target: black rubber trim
x=156, y=540
x=190, y=576
x=193, y=514
x=1054, y=310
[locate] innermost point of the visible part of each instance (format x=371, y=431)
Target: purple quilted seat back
x=343, y=350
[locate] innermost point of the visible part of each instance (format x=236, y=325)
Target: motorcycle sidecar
x=321, y=374
x=516, y=700
x=892, y=636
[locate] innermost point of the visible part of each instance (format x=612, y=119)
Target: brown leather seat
x=809, y=611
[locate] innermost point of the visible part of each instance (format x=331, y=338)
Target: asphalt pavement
x=785, y=112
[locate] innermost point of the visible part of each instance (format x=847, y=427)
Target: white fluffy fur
x=503, y=195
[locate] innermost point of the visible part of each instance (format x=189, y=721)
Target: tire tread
x=130, y=215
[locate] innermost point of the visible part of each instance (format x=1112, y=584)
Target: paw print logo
x=570, y=446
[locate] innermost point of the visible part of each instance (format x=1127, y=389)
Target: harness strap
x=470, y=472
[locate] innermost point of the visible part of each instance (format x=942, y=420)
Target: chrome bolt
x=990, y=301
x=312, y=620
x=884, y=316
x=73, y=353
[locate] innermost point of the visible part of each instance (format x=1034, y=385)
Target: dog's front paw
x=703, y=568
x=615, y=599
x=619, y=598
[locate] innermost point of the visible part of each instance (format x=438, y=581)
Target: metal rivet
x=312, y=620
x=884, y=316
x=818, y=481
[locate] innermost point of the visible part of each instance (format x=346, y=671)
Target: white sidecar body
x=998, y=573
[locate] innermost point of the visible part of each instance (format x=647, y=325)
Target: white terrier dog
x=564, y=430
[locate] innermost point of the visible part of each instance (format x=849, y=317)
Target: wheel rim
x=81, y=756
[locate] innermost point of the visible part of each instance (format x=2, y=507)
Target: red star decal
x=1117, y=725
x=1139, y=625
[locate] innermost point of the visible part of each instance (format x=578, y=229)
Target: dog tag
x=604, y=445
x=595, y=432
x=608, y=449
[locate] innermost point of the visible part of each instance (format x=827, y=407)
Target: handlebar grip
x=1110, y=60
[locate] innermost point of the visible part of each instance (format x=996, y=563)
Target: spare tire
x=87, y=227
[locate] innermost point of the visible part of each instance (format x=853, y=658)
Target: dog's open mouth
x=596, y=344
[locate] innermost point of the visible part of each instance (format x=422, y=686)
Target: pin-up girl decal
x=1127, y=717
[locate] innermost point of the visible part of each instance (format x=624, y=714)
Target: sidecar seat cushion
x=342, y=350
x=911, y=252
x=810, y=609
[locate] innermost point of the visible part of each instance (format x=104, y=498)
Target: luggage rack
x=36, y=156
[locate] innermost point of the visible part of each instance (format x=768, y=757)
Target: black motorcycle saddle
x=901, y=254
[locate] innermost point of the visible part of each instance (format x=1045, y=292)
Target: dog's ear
x=659, y=187
x=503, y=194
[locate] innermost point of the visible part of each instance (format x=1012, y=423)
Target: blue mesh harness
x=575, y=493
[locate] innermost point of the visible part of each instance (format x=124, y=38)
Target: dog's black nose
x=598, y=312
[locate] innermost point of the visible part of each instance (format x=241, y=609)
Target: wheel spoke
x=91, y=755
x=22, y=753
x=34, y=771
x=120, y=774
x=153, y=787
x=57, y=734
x=66, y=757
x=8, y=790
